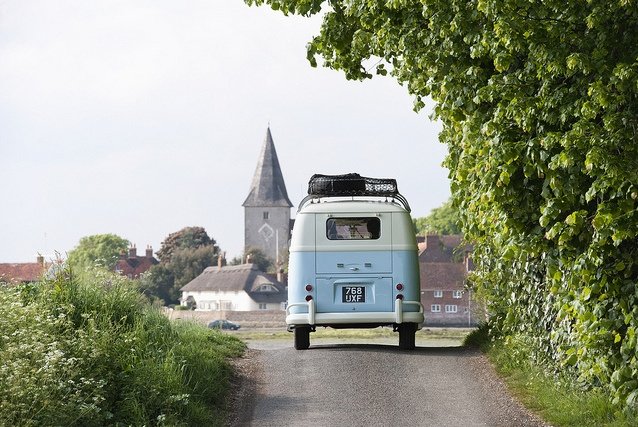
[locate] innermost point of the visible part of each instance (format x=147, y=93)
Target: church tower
x=267, y=207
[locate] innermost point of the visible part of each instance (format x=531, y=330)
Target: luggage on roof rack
x=351, y=185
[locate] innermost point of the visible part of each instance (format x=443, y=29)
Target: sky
x=142, y=117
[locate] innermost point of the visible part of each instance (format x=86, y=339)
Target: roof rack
x=352, y=185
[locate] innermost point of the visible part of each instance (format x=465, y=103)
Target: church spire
x=268, y=187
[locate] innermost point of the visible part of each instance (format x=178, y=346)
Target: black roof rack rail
x=352, y=185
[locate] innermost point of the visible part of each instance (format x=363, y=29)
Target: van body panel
x=376, y=265
x=403, y=230
x=301, y=272
x=303, y=234
x=332, y=295
x=354, y=262
x=406, y=271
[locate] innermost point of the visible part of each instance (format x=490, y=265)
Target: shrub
x=89, y=350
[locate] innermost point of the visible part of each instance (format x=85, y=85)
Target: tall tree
x=441, y=220
x=97, y=250
x=186, y=238
x=539, y=106
x=183, y=256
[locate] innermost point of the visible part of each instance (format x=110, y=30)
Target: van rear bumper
x=312, y=318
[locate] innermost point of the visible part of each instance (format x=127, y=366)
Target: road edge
x=245, y=381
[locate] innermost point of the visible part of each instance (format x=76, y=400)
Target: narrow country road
x=335, y=384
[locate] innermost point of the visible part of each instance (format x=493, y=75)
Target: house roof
x=268, y=187
x=442, y=261
x=21, y=272
x=442, y=276
x=244, y=277
x=135, y=265
x=442, y=248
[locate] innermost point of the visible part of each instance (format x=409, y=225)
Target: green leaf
x=586, y=293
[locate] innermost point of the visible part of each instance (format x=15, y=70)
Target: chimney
x=431, y=240
x=221, y=260
x=122, y=254
x=40, y=259
x=132, y=252
x=469, y=266
x=149, y=251
x=280, y=275
x=249, y=259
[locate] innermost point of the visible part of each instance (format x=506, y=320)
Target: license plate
x=351, y=294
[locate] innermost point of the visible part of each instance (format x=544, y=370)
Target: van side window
x=353, y=228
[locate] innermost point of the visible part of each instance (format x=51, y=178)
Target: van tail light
x=399, y=296
x=399, y=286
x=309, y=287
x=308, y=297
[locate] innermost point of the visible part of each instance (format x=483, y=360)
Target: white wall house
x=234, y=288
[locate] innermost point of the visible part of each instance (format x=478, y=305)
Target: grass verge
x=329, y=333
x=90, y=351
x=556, y=399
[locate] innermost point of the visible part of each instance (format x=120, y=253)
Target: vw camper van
x=353, y=260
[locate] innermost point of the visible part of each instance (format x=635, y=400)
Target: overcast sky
x=139, y=118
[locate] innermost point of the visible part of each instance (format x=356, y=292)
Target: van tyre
x=302, y=338
x=407, y=333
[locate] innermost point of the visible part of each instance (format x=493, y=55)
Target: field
x=430, y=337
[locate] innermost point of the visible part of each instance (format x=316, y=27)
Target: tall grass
x=90, y=351
x=556, y=397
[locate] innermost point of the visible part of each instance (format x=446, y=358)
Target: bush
x=555, y=396
x=90, y=350
x=479, y=337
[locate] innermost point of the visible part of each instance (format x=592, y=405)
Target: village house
x=23, y=272
x=234, y=288
x=132, y=266
x=444, y=262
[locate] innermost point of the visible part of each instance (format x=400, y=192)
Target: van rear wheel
x=302, y=337
x=407, y=333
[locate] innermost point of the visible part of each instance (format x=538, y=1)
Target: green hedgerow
x=89, y=350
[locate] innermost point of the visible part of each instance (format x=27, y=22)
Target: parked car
x=224, y=324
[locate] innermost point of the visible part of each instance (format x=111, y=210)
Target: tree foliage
x=257, y=257
x=186, y=238
x=441, y=220
x=183, y=256
x=98, y=249
x=539, y=106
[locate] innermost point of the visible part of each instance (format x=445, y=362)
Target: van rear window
x=353, y=228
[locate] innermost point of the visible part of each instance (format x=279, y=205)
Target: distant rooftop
x=235, y=278
x=22, y=272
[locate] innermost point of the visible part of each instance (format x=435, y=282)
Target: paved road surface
x=336, y=384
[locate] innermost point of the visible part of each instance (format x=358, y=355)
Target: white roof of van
x=334, y=205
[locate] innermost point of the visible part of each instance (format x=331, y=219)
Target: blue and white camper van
x=353, y=260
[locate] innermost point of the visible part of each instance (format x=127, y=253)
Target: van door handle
x=354, y=268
